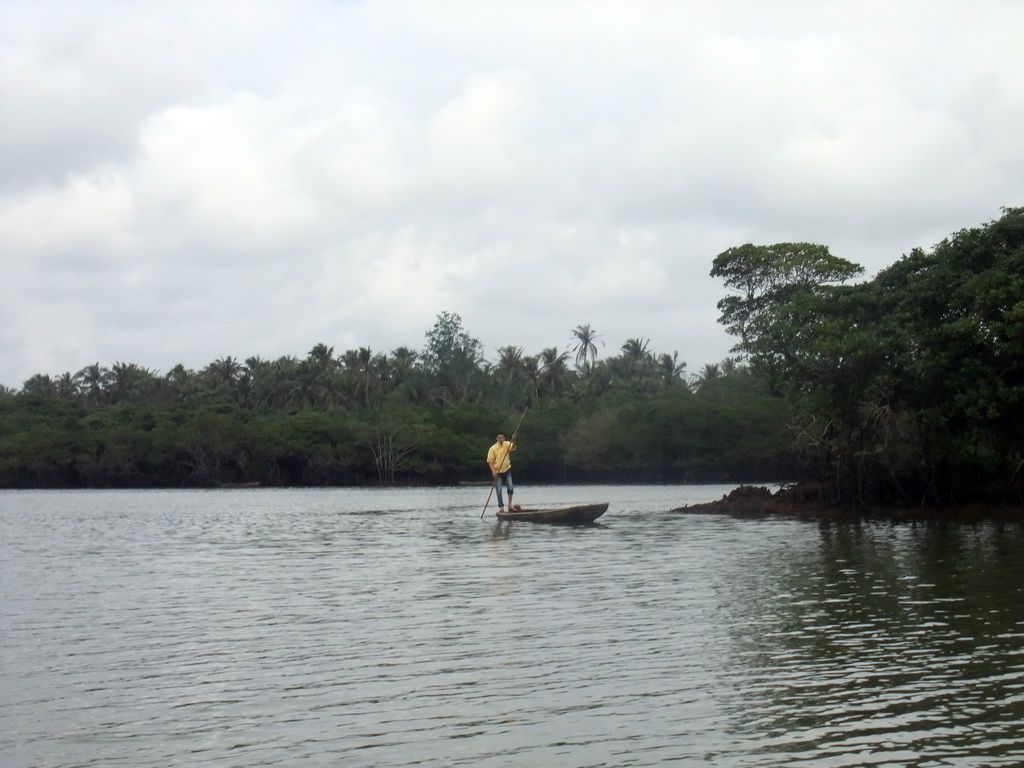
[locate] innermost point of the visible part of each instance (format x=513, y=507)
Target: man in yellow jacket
x=501, y=468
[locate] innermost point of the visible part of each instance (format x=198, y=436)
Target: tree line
x=905, y=389
x=410, y=416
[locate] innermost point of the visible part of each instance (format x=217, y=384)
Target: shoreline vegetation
x=409, y=418
x=901, y=395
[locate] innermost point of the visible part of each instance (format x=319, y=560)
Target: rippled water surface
x=394, y=628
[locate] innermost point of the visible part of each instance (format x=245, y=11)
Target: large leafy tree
x=776, y=293
x=454, y=357
x=448, y=343
x=762, y=275
x=953, y=340
x=910, y=385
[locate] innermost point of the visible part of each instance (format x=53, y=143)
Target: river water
x=396, y=628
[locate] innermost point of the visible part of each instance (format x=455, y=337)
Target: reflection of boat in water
x=581, y=514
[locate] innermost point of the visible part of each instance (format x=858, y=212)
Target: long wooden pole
x=494, y=481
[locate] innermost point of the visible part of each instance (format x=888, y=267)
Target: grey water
x=350, y=627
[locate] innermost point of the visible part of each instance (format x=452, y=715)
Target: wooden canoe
x=581, y=514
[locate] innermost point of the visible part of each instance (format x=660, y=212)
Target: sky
x=186, y=180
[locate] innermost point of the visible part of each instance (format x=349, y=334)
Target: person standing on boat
x=501, y=468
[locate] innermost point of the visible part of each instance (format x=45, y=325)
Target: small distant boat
x=582, y=514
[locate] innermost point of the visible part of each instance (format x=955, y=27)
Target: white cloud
x=186, y=181
x=85, y=222
x=224, y=175
x=75, y=86
x=475, y=144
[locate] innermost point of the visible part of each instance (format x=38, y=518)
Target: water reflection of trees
x=903, y=640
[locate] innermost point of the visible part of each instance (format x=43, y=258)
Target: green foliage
x=780, y=288
x=453, y=357
x=363, y=417
x=762, y=275
x=681, y=437
x=907, y=387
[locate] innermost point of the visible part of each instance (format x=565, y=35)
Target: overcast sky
x=182, y=181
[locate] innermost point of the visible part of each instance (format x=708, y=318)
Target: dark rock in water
x=807, y=500
x=813, y=501
x=745, y=501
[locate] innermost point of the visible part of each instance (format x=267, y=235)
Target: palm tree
x=555, y=369
x=253, y=369
x=707, y=373
x=279, y=382
x=729, y=365
x=531, y=371
x=304, y=387
x=401, y=364
x=148, y=381
x=363, y=370
x=670, y=370
x=40, y=384
x=129, y=378
x=510, y=360
x=585, y=348
x=597, y=381
x=94, y=379
x=321, y=355
x=324, y=386
x=350, y=372
x=370, y=366
x=635, y=349
x=224, y=371
x=182, y=381
x=67, y=386
x=635, y=366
